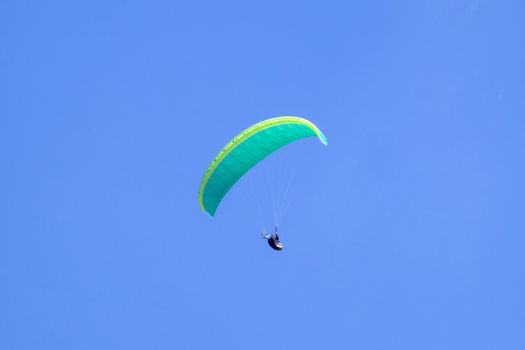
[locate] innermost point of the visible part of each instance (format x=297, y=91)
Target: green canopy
x=247, y=149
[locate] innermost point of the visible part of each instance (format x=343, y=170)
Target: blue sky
x=406, y=232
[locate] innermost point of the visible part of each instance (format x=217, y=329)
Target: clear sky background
x=406, y=232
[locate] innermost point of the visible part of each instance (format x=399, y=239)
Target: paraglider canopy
x=247, y=149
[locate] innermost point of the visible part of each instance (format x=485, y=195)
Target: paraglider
x=244, y=151
x=273, y=240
